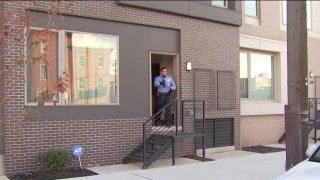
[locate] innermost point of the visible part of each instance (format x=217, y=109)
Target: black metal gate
x=218, y=133
x=314, y=117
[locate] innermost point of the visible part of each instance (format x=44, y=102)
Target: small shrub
x=54, y=160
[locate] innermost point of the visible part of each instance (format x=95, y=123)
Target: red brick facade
x=205, y=44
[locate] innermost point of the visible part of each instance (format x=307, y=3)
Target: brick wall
x=261, y=130
x=105, y=141
x=1, y=82
x=203, y=43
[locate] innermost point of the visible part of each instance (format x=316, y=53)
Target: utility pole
x=296, y=112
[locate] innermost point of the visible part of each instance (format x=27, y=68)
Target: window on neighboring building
x=100, y=61
x=284, y=13
x=251, y=8
x=43, y=45
x=308, y=14
x=43, y=72
x=100, y=82
x=221, y=3
x=256, y=76
x=86, y=85
x=81, y=83
x=244, y=75
x=81, y=61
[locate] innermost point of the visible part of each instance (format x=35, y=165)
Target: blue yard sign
x=78, y=151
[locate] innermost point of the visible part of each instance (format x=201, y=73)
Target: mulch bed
x=262, y=149
x=197, y=158
x=51, y=175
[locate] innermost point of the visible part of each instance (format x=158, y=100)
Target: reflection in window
x=251, y=8
x=43, y=45
x=308, y=14
x=43, y=72
x=101, y=61
x=260, y=85
x=38, y=55
x=308, y=8
x=81, y=61
x=284, y=12
x=100, y=86
x=243, y=75
x=261, y=76
x=100, y=82
x=221, y=3
x=81, y=83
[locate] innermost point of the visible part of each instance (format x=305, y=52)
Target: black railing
x=314, y=116
x=175, y=119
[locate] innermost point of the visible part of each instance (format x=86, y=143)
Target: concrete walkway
x=238, y=165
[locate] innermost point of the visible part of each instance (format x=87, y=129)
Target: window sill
x=258, y=101
x=261, y=107
x=75, y=105
x=225, y=7
x=252, y=20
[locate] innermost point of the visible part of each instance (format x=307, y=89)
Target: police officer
x=165, y=85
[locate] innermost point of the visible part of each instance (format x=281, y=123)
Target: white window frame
x=249, y=52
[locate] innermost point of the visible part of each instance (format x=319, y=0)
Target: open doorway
x=158, y=60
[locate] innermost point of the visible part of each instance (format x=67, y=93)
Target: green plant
x=54, y=160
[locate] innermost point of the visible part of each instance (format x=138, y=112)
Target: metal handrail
x=165, y=130
x=314, y=101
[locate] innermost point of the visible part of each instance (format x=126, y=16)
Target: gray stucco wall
x=135, y=43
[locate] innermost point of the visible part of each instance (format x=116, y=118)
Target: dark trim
x=88, y=112
x=41, y=10
x=198, y=9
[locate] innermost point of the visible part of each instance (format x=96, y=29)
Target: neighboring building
x=110, y=51
x=263, y=67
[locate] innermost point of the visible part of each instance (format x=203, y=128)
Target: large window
x=89, y=62
x=284, y=13
x=221, y=3
x=256, y=76
x=251, y=8
x=42, y=73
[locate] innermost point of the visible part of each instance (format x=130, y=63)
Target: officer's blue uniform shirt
x=164, y=84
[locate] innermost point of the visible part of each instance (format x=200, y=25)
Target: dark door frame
x=176, y=69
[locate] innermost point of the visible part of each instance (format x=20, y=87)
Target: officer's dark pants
x=162, y=100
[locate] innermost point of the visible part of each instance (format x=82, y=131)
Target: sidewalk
x=238, y=165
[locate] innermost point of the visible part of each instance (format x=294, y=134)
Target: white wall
x=250, y=107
